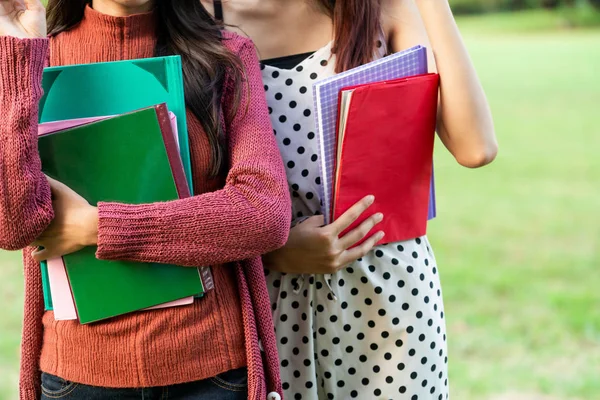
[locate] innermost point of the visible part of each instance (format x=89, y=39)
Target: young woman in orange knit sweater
x=208, y=350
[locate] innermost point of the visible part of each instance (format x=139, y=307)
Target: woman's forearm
x=250, y=216
x=25, y=200
x=465, y=122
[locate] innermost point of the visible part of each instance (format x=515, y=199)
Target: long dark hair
x=184, y=28
x=357, y=26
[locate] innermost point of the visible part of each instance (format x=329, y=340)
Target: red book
x=385, y=148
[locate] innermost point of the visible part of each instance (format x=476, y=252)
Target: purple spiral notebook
x=409, y=62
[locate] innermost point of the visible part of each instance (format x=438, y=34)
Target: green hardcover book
x=113, y=88
x=124, y=159
x=46, y=287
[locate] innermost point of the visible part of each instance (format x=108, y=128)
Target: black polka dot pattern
x=363, y=336
x=375, y=329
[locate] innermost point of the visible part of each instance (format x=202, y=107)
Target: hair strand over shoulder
x=357, y=28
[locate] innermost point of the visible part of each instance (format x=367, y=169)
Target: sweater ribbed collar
x=132, y=27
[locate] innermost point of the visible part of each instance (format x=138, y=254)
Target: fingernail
x=379, y=217
x=370, y=199
x=381, y=235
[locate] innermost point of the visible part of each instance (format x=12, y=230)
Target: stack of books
x=376, y=128
x=116, y=132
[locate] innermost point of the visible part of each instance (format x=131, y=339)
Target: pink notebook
x=60, y=290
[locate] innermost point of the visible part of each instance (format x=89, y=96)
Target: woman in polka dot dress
x=365, y=322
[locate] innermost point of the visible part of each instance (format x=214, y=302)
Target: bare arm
x=465, y=123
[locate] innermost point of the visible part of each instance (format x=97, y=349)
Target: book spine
x=46, y=286
x=162, y=114
x=325, y=191
x=177, y=96
x=207, y=279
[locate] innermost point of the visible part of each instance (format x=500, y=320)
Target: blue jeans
x=231, y=385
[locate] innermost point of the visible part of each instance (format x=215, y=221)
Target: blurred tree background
x=517, y=242
x=574, y=13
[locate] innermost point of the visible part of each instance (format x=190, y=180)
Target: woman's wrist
x=90, y=217
x=270, y=260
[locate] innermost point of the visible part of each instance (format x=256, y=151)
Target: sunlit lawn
x=518, y=243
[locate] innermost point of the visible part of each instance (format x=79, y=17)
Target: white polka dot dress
x=373, y=330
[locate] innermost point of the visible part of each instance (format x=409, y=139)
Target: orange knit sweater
x=234, y=219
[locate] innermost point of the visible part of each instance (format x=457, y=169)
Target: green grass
x=533, y=21
x=11, y=300
x=518, y=242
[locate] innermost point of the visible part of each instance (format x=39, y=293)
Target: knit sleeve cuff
x=125, y=230
x=22, y=63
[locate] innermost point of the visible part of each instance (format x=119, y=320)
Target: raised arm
x=465, y=123
x=25, y=201
x=250, y=216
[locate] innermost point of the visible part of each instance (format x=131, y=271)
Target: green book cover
x=113, y=88
x=118, y=159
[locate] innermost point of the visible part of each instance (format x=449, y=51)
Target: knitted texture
x=240, y=218
x=23, y=184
